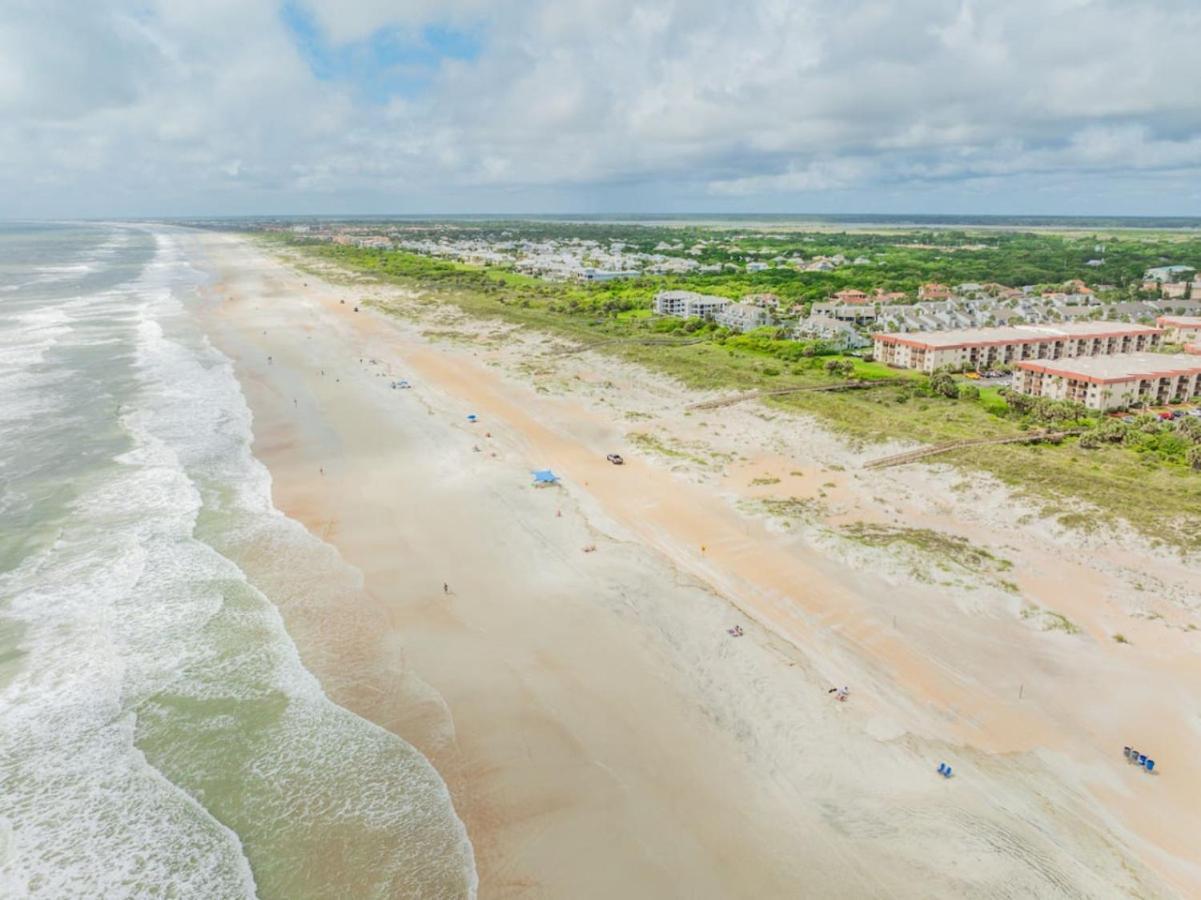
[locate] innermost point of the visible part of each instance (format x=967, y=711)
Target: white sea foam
x=127, y=608
x=88, y=816
x=25, y=338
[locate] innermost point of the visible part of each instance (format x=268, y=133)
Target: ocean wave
x=161, y=732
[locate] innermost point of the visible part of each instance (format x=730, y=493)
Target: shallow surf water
x=161, y=736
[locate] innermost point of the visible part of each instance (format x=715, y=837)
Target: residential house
x=933, y=291
x=850, y=296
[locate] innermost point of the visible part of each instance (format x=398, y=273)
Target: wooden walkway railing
x=775, y=392
x=899, y=459
x=646, y=342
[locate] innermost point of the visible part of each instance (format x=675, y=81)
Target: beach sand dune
x=601, y=731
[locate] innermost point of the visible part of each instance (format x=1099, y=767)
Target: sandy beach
x=562, y=655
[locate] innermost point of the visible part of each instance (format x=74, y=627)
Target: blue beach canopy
x=545, y=476
x=471, y=417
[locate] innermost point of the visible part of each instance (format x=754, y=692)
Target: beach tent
x=472, y=417
x=545, y=476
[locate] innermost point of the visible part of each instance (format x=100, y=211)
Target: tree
x=1194, y=457
x=1190, y=428
x=942, y=383
x=969, y=392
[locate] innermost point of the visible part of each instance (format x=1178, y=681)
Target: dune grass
x=1160, y=500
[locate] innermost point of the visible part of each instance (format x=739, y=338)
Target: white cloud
x=116, y=106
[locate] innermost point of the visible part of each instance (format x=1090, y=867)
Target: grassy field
x=1159, y=497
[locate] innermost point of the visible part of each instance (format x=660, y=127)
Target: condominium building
x=984, y=348
x=1113, y=382
x=606, y=274
x=742, y=316
x=1180, y=329
x=689, y=304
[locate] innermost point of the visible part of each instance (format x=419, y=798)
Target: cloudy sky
x=192, y=107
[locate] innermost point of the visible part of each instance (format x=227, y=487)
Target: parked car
x=616, y=459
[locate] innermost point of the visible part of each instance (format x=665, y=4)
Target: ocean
x=160, y=736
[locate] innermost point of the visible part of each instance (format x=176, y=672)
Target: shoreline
x=545, y=788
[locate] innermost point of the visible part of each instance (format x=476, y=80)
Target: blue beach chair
x=1150, y=765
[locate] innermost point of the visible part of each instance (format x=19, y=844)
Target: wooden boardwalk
x=775, y=392
x=646, y=342
x=900, y=459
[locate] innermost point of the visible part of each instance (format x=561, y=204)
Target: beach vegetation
x=945, y=550
x=1142, y=475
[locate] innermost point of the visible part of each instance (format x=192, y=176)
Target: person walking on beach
x=445, y=588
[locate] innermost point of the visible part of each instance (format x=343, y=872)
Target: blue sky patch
x=392, y=62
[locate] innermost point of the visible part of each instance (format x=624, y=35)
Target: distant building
x=742, y=316
x=1113, y=382
x=607, y=275
x=984, y=348
x=689, y=304
x=757, y=266
x=1173, y=289
x=933, y=291
x=1180, y=329
x=1166, y=273
x=838, y=333
x=850, y=296
x=765, y=299
x=845, y=312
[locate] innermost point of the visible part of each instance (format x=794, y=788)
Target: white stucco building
x=1180, y=329
x=689, y=304
x=984, y=348
x=742, y=316
x=1113, y=382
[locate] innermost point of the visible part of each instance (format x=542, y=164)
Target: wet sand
x=601, y=732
